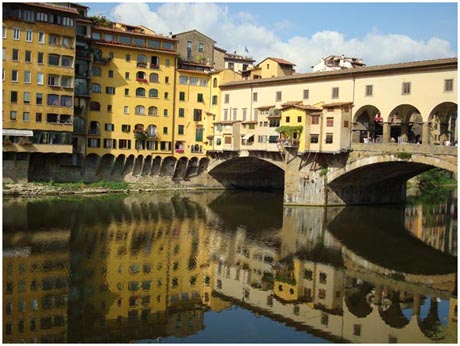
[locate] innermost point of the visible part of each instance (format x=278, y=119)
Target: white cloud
x=235, y=31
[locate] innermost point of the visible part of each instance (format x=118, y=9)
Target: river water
x=227, y=267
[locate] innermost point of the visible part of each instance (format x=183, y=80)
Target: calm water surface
x=227, y=267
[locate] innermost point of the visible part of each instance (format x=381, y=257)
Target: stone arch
x=364, y=125
x=117, y=168
x=92, y=162
x=248, y=173
x=106, y=165
x=147, y=165
x=400, y=130
x=192, y=167
x=442, y=124
x=129, y=165
x=357, y=302
x=156, y=166
x=137, y=169
x=181, y=168
x=391, y=313
x=203, y=165
x=168, y=166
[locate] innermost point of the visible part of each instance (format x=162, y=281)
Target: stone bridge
x=368, y=174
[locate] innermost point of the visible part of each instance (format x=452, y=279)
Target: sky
x=304, y=32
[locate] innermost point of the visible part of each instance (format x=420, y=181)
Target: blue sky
x=379, y=33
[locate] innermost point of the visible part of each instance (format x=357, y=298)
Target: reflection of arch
x=357, y=302
x=443, y=123
x=431, y=325
x=364, y=125
x=392, y=315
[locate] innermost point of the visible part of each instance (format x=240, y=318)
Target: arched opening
x=442, y=125
x=367, y=125
x=156, y=166
x=401, y=128
x=167, y=168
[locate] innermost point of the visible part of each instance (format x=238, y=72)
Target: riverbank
x=36, y=189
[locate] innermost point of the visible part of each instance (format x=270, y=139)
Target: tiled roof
x=337, y=104
x=426, y=64
x=53, y=7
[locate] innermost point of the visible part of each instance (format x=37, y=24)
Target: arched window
x=214, y=83
x=94, y=106
x=96, y=88
x=153, y=78
x=97, y=52
x=97, y=71
x=141, y=58
x=139, y=128
x=141, y=76
x=152, y=131
x=153, y=111
x=153, y=93
x=140, y=92
x=140, y=110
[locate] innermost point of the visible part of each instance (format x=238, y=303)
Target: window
x=306, y=94
x=125, y=128
x=66, y=101
x=193, y=81
x=110, y=74
x=41, y=37
x=200, y=98
x=66, y=61
x=153, y=111
x=53, y=39
x=166, y=95
x=329, y=138
x=335, y=93
x=165, y=112
x=346, y=123
x=27, y=77
x=357, y=329
x=39, y=98
x=199, y=134
x=28, y=56
x=181, y=112
x=67, y=42
x=40, y=58
x=153, y=78
x=96, y=88
x=52, y=100
x=126, y=110
x=214, y=100
x=165, y=130
x=322, y=278
x=94, y=106
x=25, y=116
x=181, y=96
x=126, y=92
x=15, y=56
x=53, y=80
x=166, y=80
x=14, y=76
x=140, y=110
x=180, y=129
x=329, y=122
x=94, y=142
x=154, y=43
x=369, y=90
x=278, y=97
x=449, y=85
x=66, y=81
x=109, y=127
x=288, y=119
x=97, y=71
x=14, y=96
x=406, y=88
x=153, y=93
x=16, y=33
x=197, y=114
x=128, y=58
x=183, y=80
x=13, y=115
x=110, y=90
x=53, y=59
x=254, y=97
x=26, y=97
x=200, y=47
x=29, y=35
x=4, y=31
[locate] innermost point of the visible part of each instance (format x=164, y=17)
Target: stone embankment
x=37, y=189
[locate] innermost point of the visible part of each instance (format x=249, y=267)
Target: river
x=233, y=266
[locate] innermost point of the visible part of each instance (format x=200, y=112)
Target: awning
x=248, y=136
x=18, y=133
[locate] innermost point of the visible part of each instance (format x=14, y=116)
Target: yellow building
x=132, y=91
x=38, y=78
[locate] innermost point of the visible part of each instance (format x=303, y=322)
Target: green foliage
x=434, y=178
x=403, y=155
x=289, y=131
x=101, y=21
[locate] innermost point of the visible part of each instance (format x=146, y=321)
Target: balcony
x=142, y=64
x=82, y=54
x=100, y=60
x=289, y=143
x=82, y=90
x=154, y=66
x=142, y=80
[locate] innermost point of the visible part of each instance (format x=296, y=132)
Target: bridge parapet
x=406, y=147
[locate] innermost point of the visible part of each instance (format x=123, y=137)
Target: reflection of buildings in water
x=143, y=276
x=434, y=224
x=35, y=286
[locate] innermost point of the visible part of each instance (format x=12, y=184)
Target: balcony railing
x=93, y=132
x=154, y=66
x=82, y=54
x=287, y=142
x=82, y=90
x=142, y=64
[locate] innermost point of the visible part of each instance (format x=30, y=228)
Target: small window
x=369, y=90
x=226, y=98
x=329, y=122
x=449, y=85
x=29, y=35
x=406, y=88
x=200, y=47
x=40, y=58
x=181, y=96
x=315, y=120
x=41, y=37
x=279, y=96
x=306, y=94
x=200, y=98
x=28, y=56
x=16, y=33
x=254, y=97
x=335, y=93
x=329, y=138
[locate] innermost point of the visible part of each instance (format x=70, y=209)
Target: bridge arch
x=248, y=173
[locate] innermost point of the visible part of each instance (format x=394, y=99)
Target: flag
x=246, y=49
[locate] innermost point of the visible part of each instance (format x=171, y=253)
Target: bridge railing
x=406, y=147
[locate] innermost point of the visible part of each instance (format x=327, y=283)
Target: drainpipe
x=173, y=130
